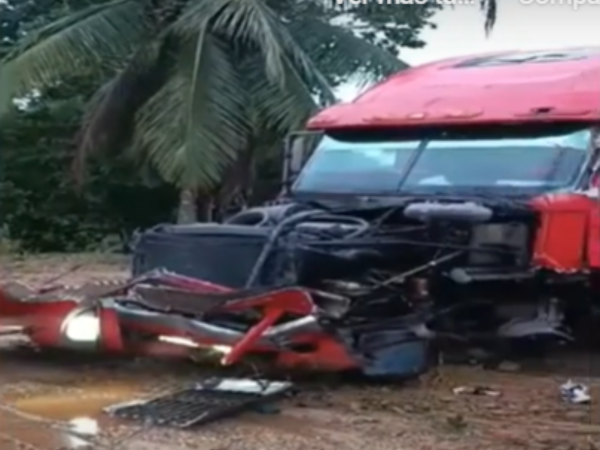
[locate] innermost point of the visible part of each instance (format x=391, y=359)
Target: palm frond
x=490, y=12
x=81, y=40
x=256, y=26
x=109, y=118
x=193, y=127
x=343, y=55
x=6, y=97
x=273, y=107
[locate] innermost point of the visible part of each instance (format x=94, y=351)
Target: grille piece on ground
x=205, y=402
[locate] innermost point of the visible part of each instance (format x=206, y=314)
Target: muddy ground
x=52, y=402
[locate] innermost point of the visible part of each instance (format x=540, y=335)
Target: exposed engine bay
x=380, y=289
x=443, y=270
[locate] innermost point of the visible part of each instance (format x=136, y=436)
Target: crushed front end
x=384, y=252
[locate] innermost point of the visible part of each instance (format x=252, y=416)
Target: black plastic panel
x=200, y=404
x=220, y=254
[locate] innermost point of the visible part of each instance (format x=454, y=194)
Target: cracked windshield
x=379, y=167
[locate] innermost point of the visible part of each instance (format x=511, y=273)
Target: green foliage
x=390, y=27
x=196, y=88
x=40, y=207
x=193, y=80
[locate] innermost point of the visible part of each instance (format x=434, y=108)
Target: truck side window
x=594, y=181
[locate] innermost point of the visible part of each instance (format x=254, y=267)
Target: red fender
x=568, y=235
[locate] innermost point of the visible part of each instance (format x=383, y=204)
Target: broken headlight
x=82, y=326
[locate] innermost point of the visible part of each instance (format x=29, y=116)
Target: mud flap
x=205, y=402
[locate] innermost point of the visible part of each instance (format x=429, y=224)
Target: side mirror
x=298, y=148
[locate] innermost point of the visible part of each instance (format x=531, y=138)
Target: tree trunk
x=233, y=192
x=206, y=209
x=187, y=211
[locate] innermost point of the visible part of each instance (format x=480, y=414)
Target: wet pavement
x=54, y=402
x=46, y=406
x=71, y=419
x=17, y=432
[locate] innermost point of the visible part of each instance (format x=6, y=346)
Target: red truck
x=455, y=202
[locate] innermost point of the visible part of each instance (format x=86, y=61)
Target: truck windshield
x=548, y=162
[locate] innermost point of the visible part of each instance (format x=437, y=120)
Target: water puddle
x=19, y=432
x=66, y=420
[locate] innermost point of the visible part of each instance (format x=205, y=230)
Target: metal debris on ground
x=202, y=403
x=576, y=393
x=476, y=390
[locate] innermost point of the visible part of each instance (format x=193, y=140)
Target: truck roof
x=503, y=87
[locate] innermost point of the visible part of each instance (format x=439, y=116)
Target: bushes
x=40, y=208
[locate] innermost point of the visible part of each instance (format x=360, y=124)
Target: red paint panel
x=329, y=355
x=560, y=241
x=593, y=238
x=450, y=92
x=110, y=331
x=562, y=236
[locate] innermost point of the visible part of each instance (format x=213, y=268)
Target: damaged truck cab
x=491, y=167
x=453, y=202
x=539, y=182
x=456, y=201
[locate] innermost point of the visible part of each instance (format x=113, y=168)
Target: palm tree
x=490, y=10
x=192, y=81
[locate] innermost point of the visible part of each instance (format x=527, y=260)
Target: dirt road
x=52, y=402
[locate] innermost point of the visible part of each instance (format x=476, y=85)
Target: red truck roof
x=505, y=87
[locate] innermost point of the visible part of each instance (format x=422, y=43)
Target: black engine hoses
x=290, y=223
